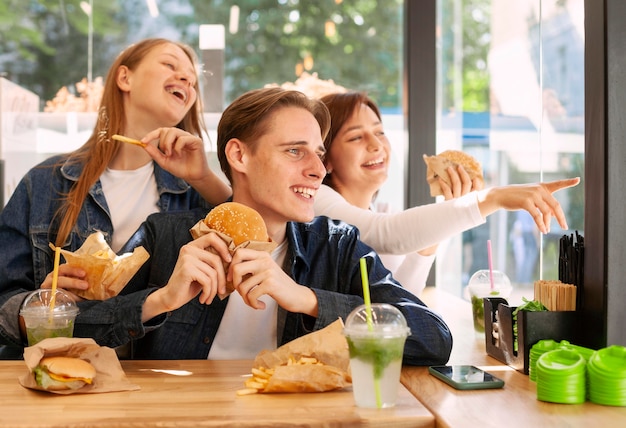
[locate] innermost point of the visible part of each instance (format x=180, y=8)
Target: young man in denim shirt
x=270, y=146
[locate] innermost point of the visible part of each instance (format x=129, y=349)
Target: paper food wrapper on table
x=109, y=377
x=328, y=346
x=201, y=229
x=107, y=273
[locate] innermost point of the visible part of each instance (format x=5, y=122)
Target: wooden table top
x=192, y=394
x=515, y=405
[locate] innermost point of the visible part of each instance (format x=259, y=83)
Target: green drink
x=478, y=314
x=479, y=287
x=45, y=317
x=44, y=328
x=376, y=354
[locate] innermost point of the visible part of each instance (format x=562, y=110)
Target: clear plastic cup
x=479, y=287
x=41, y=321
x=376, y=354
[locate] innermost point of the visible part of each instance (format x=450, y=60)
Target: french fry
x=247, y=391
x=261, y=376
x=128, y=140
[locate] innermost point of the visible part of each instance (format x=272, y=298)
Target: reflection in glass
x=511, y=93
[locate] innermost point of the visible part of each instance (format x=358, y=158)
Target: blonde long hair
x=99, y=149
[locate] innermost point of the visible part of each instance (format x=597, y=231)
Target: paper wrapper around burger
x=107, y=273
x=328, y=345
x=109, y=377
x=436, y=167
x=201, y=228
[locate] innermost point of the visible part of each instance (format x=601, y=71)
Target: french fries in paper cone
x=316, y=362
x=107, y=273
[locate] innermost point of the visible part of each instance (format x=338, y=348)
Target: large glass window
x=510, y=87
x=511, y=93
x=48, y=45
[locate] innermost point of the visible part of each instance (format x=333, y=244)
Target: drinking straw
x=370, y=324
x=366, y=295
x=55, y=277
x=489, y=258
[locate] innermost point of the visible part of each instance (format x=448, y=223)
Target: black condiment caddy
x=531, y=328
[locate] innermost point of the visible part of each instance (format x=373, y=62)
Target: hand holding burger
x=437, y=167
x=238, y=221
x=239, y=226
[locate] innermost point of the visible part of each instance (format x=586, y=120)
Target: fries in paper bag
x=316, y=362
x=107, y=273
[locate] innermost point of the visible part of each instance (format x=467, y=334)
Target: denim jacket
x=25, y=226
x=323, y=255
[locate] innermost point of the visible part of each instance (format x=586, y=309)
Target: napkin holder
x=531, y=328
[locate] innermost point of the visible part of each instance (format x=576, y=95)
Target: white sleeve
x=411, y=271
x=406, y=231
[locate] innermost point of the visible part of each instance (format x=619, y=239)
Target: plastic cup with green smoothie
x=479, y=287
x=376, y=351
x=43, y=321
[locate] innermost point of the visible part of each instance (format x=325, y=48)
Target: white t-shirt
x=132, y=196
x=397, y=237
x=256, y=329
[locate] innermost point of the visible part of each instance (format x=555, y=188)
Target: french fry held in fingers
x=128, y=140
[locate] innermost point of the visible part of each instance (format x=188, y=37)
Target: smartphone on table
x=466, y=377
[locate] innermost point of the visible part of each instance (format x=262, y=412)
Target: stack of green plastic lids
x=546, y=345
x=586, y=353
x=535, y=352
x=607, y=376
x=561, y=377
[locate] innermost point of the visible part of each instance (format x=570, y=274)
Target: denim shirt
x=25, y=226
x=323, y=255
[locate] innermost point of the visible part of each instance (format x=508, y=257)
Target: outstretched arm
x=537, y=199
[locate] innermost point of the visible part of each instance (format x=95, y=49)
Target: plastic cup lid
x=387, y=321
x=479, y=284
x=611, y=359
x=38, y=303
x=544, y=346
x=560, y=361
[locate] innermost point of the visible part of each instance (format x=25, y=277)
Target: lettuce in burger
x=59, y=373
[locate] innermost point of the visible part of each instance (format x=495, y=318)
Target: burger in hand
x=61, y=373
x=437, y=167
x=239, y=226
x=238, y=221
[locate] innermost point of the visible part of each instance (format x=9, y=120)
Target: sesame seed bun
x=238, y=221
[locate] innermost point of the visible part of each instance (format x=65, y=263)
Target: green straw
x=366, y=295
x=370, y=323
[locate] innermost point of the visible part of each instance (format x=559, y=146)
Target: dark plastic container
x=532, y=327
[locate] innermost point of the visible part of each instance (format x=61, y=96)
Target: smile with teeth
x=304, y=191
x=374, y=162
x=177, y=92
